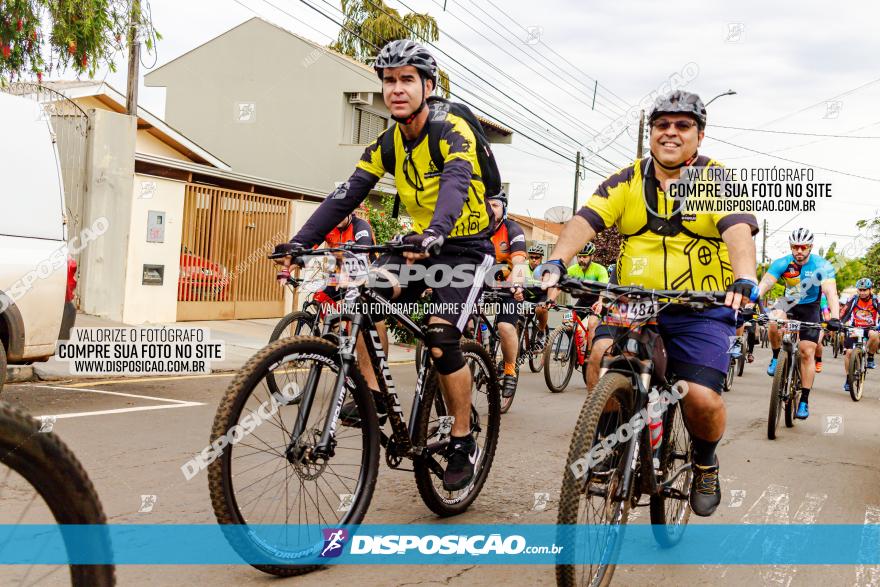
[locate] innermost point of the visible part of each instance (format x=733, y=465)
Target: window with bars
x=367, y=126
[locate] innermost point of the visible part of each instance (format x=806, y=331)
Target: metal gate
x=224, y=273
x=70, y=125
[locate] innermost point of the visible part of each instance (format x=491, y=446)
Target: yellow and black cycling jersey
x=418, y=179
x=450, y=202
x=664, y=244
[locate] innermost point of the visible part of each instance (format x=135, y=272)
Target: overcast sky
x=807, y=67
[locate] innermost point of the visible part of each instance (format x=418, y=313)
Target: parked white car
x=37, y=275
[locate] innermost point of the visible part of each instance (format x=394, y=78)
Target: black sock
x=704, y=451
x=775, y=353
x=805, y=395
x=818, y=360
x=466, y=440
x=870, y=356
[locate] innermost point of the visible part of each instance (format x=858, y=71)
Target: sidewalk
x=243, y=339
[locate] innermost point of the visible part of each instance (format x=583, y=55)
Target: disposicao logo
x=334, y=541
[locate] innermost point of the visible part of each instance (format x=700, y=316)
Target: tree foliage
x=43, y=36
x=370, y=24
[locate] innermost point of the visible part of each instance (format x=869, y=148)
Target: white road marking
x=168, y=403
x=869, y=575
x=737, y=496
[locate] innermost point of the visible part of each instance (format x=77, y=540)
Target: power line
x=474, y=73
x=341, y=25
x=793, y=161
x=783, y=132
x=541, y=42
x=588, y=94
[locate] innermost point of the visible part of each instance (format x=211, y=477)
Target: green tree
x=371, y=23
x=871, y=260
x=42, y=36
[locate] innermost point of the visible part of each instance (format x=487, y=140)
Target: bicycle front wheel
x=266, y=479
x=794, y=392
x=591, y=518
x=854, y=371
x=536, y=356
x=293, y=324
x=42, y=482
x=559, y=359
x=777, y=389
x=485, y=426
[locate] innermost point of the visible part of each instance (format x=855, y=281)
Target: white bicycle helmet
x=800, y=236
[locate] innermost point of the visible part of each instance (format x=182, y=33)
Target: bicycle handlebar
x=598, y=287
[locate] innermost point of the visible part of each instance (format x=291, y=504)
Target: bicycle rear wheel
x=485, y=426
x=741, y=363
x=777, y=389
x=854, y=371
x=559, y=357
x=669, y=515
x=728, y=379
x=588, y=498
x=536, y=357
x=44, y=483
x=256, y=481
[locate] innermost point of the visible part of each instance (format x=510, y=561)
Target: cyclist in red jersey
x=862, y=311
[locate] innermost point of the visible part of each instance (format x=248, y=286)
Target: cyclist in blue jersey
x=805, y=277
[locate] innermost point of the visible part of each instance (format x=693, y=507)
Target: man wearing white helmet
x=805, y=278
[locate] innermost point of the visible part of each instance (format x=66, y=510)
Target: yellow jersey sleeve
x=371, y=160
x=609, y=200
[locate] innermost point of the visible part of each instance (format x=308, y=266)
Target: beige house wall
x=301, y=125
x=153, y=303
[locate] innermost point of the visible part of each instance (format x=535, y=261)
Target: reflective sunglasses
x=680, y=125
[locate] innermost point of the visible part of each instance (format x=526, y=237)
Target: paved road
x=133, y=445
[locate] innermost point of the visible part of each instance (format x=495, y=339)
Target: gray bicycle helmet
x=680, y=102
x=406, y=52
x=536, y=250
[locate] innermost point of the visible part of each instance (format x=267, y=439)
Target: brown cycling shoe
x=705, y=490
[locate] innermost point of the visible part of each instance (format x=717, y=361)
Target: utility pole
x=641, y=134
x=764, y=243
x=577, y=181
x=134, y=58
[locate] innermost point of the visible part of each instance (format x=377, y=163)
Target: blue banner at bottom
x=141, y=544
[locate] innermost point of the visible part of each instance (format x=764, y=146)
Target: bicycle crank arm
x=685, y=467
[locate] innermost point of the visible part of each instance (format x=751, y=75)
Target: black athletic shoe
x=508, y=386
x=348, y=415
x=462, y=454
x=705, y=490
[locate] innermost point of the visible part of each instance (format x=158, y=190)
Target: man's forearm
x=741, y=249
x=576, y=233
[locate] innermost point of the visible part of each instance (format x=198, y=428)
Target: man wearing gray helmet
x=432, y=153
x=668, y=247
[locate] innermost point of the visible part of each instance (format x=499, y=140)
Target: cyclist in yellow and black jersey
x=433, y=154
x=667, y=246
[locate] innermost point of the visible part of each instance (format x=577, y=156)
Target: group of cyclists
x=456, y=222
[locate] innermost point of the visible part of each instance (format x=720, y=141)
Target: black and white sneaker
x=508, y=386
x=705, y=490
x=462, y=455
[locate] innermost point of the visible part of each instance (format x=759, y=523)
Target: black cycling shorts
x=455, y=301
x=807, y=313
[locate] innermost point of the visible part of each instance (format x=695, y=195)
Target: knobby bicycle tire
x=794, y=391
x=483, y=374
x=220, y=482
x=49, y=466
x=676, y=451
x=618, y=387
x=854, y=372
x=550, y=357
x=775, y=390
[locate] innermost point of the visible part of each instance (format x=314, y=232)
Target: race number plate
x=792, y=326
x=857, y=332
x=568, y=316
x=641, y=309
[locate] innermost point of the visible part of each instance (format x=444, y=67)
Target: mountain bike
x=736, y=363
x=857, y=363
x=611, y=464
x=42, y=482
x=297, y=462
x=567, y=347
x=837, y=343
x=785, y=391
x=485, y=332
